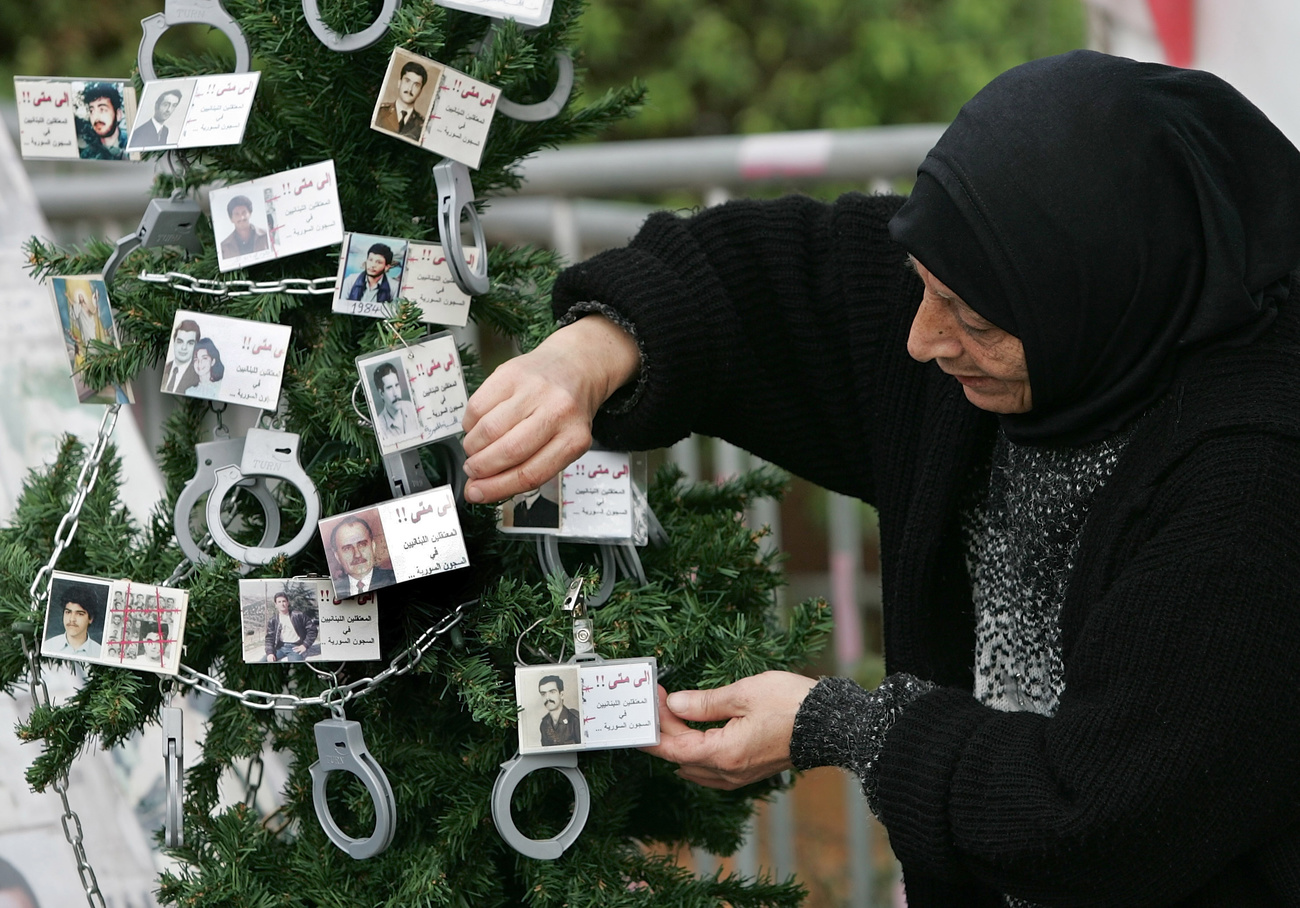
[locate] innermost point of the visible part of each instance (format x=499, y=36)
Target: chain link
x=336, y=697
x=295, y=286
x=38, y=593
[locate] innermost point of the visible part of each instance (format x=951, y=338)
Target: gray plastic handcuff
x=213, y=456
x=341, y=748
x=456, y=195
x=551, y=107
x=189, y=12
x=503, y=792
x=513, y=770
x=356, y=41
x=173, y=747
x=274, y=455
x=166, y=222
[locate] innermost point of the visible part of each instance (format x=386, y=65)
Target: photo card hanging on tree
x=598, y=705
x=427, y=103
x=85, y=315
x=416, y=392
x=62, y=119
x=376, y=271
x=194, y=112
x=225, y=359
x=399, y=540
x=283, y=214
x=115, y=622
x=525, y=12
x=301, y=620
x=598, y=498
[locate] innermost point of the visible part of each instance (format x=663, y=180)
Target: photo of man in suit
x=353, y=545
x=156, y=132
x=178, y=373
x=539, y=509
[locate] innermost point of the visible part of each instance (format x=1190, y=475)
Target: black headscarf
x=1113, y=215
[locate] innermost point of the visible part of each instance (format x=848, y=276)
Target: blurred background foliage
x=712, y=66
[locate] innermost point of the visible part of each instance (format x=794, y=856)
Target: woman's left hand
x=753, y=745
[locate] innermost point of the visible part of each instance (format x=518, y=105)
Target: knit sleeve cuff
x=628, y=396
x=841, y=724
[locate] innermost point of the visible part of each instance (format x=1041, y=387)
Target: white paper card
x=231, y=359
x=278, y=215
x=61, y=119
x=196, y=112
x=376, y=271
x=416, y=393
x=399, y=540
x=461, y=117
x=596, y=496
x=587, y=705
x=525, y=12
x=300, y=620
x=115, y=622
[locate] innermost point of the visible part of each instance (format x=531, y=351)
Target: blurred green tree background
x=712, y=66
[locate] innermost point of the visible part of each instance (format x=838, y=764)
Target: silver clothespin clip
x=187, y=12
x=576, y=604
x=166, y=222
x=173, y=741
x=341, y=748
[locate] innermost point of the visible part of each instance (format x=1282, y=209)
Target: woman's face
x=989, y=362
x=202, y=363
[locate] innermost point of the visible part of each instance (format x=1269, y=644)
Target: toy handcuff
x=340, y=747
x=551, y=107
x=189, y=12
x=356, y=41
x=267, y=454
x=166, y=222
x=514, y=770
x=173, y=747
x=213, y=456
x=456, y=196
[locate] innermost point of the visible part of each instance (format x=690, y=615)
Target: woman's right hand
x=532, y=417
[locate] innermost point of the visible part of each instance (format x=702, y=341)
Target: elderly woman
x=1067, y=373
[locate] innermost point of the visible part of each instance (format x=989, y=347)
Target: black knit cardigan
x=1170, y=774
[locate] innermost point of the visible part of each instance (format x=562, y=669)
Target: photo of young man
x=409, y=91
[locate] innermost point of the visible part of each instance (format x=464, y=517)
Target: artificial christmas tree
x=438, y=710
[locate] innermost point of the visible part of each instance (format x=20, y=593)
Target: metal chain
x=296, y=286
x=38, y=593
x=336, y=697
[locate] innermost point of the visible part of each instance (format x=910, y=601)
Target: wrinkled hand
x=532, y=417
x=753, y=745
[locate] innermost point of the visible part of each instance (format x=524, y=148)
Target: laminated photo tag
x=599, y=705
x=399, y=540
x=271, y=217
x=525, y=12
x=85, y=316
x=115, y=622
x=70, y=119
x=426, y=103
x=416, y=392
x=376, y=271
x=230, y=359
x=195, y=112
x=593, y=499
x=300, y=620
